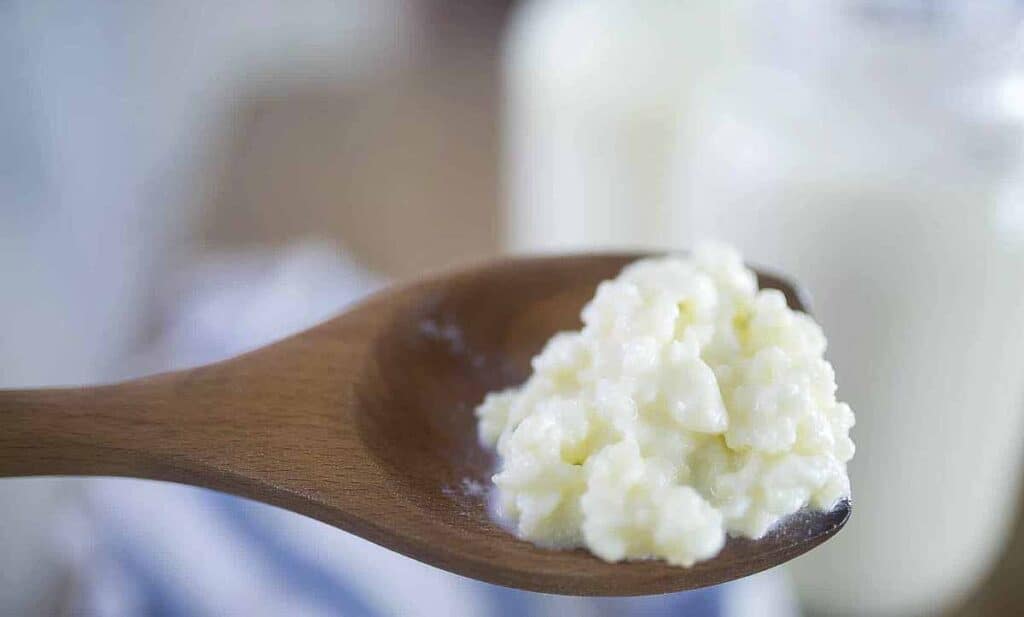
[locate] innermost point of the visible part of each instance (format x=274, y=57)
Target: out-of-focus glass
x=869, y=148
x=596, y=95
x=874, y=153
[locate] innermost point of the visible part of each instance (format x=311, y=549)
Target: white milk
x=890, y=188
x=922, y=301
x=880, y=167
x=597, y=92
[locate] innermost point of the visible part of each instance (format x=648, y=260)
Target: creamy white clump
x=689, y=406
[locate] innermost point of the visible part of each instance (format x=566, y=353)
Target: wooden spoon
x=366, y=423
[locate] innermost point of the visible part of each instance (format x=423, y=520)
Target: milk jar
x=874, y=154
x=596, y=104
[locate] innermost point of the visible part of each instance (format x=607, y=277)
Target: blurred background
x=182, y=181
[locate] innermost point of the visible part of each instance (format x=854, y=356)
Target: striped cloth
x=135, y=547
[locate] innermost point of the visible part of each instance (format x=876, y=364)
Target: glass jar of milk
x=597, y=97
x=874, y=154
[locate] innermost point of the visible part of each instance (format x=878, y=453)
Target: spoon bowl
x=366, y=423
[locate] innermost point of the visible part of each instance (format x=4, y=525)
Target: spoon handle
x=143, y=428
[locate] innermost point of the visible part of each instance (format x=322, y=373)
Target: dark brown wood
x=366, y=423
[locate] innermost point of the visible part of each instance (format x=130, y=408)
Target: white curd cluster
x=689, y=406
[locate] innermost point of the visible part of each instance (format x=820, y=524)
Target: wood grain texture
x=366, y=423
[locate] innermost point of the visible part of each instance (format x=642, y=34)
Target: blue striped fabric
x=155, y=597
x=308, y=578
x=145, y=572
